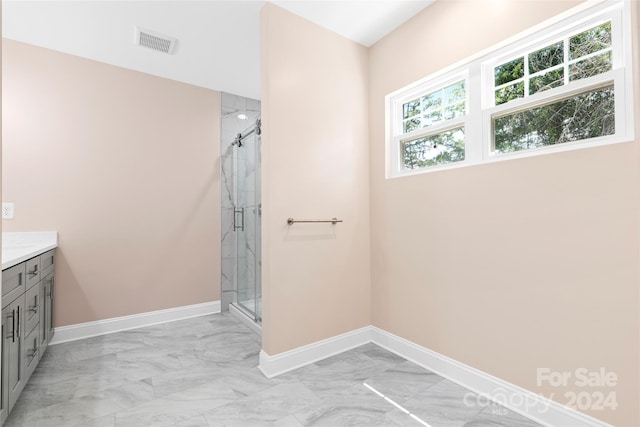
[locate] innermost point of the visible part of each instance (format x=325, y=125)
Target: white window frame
x=422, y=132
x=479, y=89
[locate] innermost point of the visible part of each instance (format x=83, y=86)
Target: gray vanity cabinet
x=27, y=324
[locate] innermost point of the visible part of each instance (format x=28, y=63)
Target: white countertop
x=21, y=246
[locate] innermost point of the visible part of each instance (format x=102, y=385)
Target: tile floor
x=202, y=372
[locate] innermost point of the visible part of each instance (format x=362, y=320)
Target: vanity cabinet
x=27, y=324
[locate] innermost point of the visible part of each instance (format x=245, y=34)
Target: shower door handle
x=235, y=219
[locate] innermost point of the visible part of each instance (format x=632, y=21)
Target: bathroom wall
x=511, y=266
x=126, y=167
x=316, y=277
x=232, y=189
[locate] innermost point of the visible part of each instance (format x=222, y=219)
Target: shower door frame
x=244, y=209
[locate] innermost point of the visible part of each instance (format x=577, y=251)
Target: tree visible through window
x=584, y=116
x=564, y=84
x=431, y=109
x=438, y=149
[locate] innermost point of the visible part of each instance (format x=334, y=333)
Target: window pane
x=432, y=100
x=440, y=149
x=590, y=41
x=587, y=115
x=590, y=67
x=546, y=58
x=454, y=93
x=546, y=81
x=510, y=71
x=411, y=124
x=455, y=110
x=509, y=93
x=432, y=117
x=411, y=108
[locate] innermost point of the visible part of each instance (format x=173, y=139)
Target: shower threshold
x=245, y=318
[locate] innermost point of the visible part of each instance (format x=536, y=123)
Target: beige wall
x=125, y=166
x=512, y=266
x=316, y=280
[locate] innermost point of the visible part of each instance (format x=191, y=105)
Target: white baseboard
x=116, y=324
x=272, y=366
x=517, y=399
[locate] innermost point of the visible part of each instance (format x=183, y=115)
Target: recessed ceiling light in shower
x=242, y=116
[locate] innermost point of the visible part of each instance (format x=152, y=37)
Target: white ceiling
x=218, y=41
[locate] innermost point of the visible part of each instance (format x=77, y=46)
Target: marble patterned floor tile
x=356, y=406
x=495, y=415
x=290, y=421
x=202, y=372
x=378, y=353
x=126, y=395
x=71, y=413
x=47, y=395
x=177, y=407
x=342, y=371
x=107, y=421
x=442, y=405
x=267, y=406
x=404, y=381
x=182, y=379
x=197, y=421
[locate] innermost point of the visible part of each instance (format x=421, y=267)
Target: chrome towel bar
x=334, y=221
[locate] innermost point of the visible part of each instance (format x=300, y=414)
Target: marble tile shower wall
x=238, y=186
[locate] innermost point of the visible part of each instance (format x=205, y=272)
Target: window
x=564, y=86
x=433, y=126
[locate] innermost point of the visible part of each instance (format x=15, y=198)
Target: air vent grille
x=155, y=41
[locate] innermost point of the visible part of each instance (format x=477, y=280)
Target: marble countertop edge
x=21, y=246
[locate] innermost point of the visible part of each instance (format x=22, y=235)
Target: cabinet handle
x=52, y=286
x=35, y=306
x=18, y=322
x=20, y=279
x=35, y=270
x=13, y=325
x=33, y=352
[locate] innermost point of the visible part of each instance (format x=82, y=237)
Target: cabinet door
x=31, y=355
x=13, y=315
x=45, y=312
x=51, y=307
x=47, y=262
x=7, y=325
x=33, y=271
x=32, y=309
x=14, y=282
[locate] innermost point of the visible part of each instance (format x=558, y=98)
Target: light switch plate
x=7, y=210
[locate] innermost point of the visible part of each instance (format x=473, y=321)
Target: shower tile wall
x=232, y=106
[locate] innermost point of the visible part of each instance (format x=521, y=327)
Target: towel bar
x=334, y=221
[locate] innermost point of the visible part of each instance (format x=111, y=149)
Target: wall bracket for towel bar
x=334, y=221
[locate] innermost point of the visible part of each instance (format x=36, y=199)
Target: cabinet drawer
x=47, y=262
x=33, y=271
x=13, y=283
x=31, y=353
x=32, y=308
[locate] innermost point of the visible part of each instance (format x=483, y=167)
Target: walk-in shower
x=241, y=206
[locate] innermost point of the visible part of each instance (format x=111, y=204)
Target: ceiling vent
x=155, y=41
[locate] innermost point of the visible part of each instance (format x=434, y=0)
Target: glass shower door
x=248, y=222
